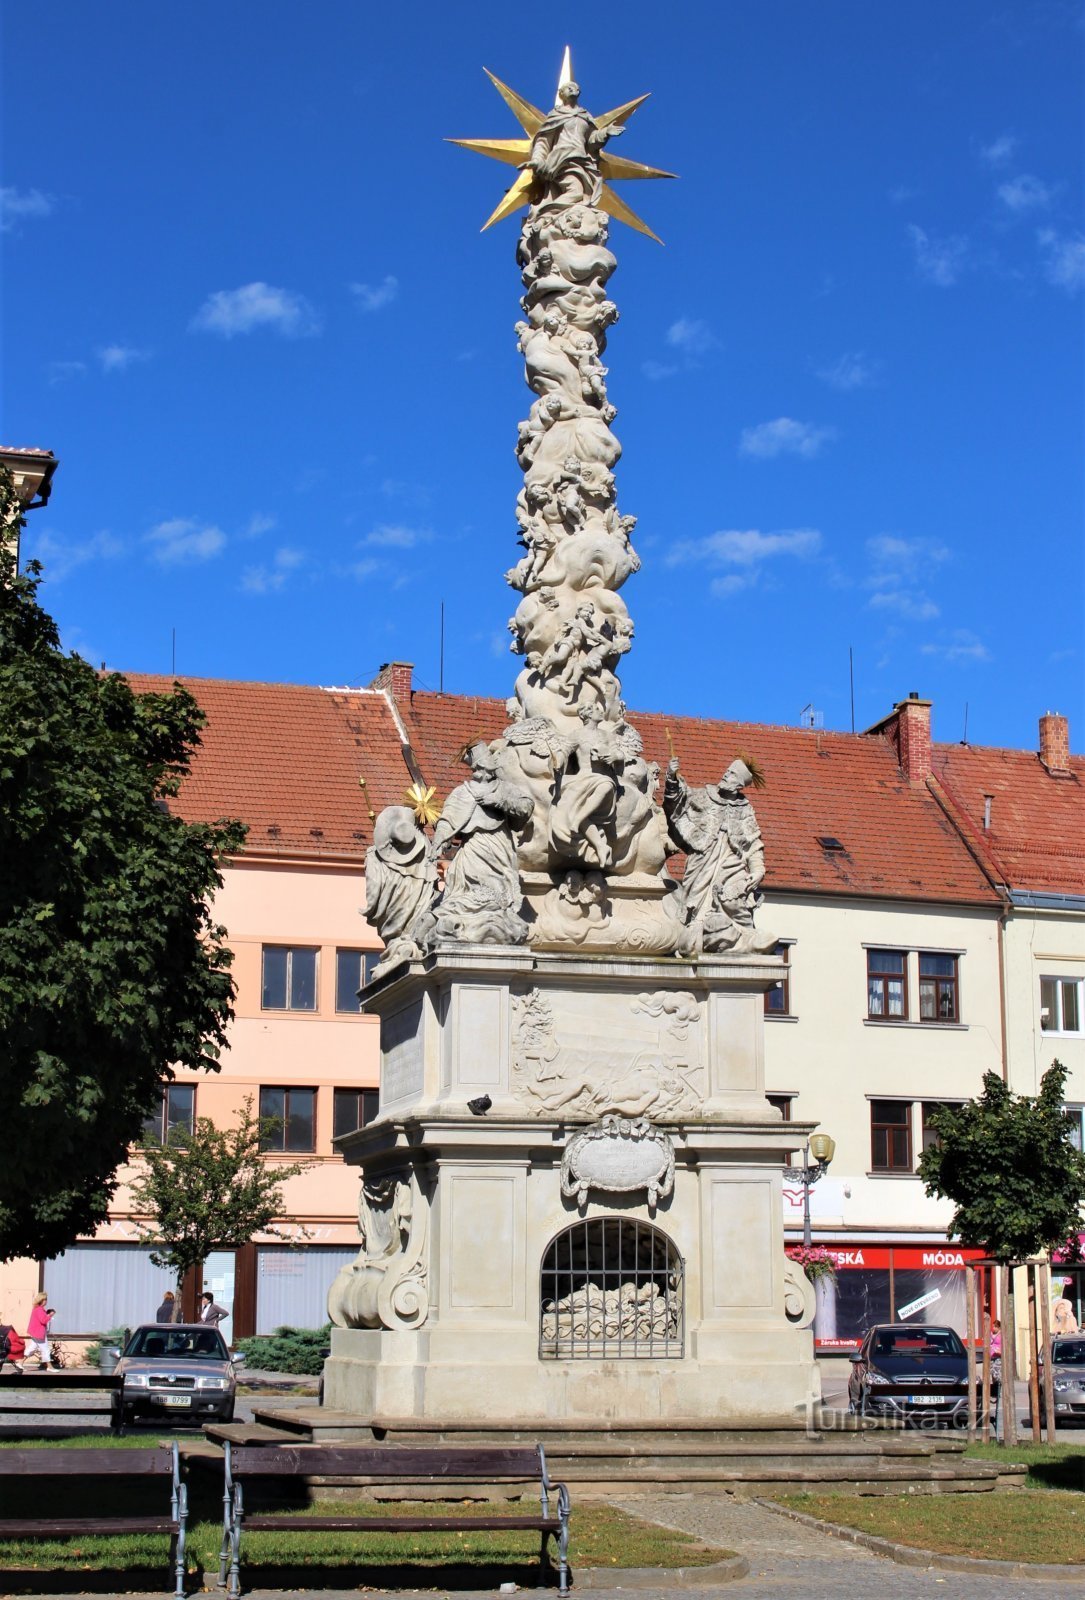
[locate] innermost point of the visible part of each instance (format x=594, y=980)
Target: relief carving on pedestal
x=800, y=1300
x=590, y=1061
x=619, y=1156
x=386, y=1284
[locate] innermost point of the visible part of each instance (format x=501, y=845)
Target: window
x=890, y=1136
x=290, y=1118
x=887, y=984
x=353, y=1108
x=782, y=1102
x=937, y=988
x=1060, y=1005
x=1077, y=1117
x=352, y=969
x=778, y=998
x=930, y=1137
x=289, y=979
x=177, y=1109
x=611, y=1288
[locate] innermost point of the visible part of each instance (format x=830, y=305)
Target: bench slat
x=384, y=1462
x=92, y=1462
x=17, y=1528
x=404, y=1524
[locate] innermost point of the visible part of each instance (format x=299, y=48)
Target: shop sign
x=929, y=1257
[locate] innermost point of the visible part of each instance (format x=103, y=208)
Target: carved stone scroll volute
x=386, y=1286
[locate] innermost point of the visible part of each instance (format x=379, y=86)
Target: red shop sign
x=932, y=1258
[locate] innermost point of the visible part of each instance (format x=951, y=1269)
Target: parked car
x=177, y=1369
x=1068, y=1365
x=909, y=1371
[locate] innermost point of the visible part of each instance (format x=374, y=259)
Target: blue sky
x=247, y=304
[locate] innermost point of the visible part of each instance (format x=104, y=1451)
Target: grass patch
x=1044, y=1525
x=600, y=1536
x=1050, y=1466
x=92, y=1441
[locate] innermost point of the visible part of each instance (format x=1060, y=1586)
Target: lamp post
x=822, y=1148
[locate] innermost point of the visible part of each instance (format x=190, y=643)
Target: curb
x=908, y=1555
x=665, y=1578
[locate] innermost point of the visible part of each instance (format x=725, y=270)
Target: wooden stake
x=986, y=1280
x=1033, y=1357
x=970, y=1343
x=1049, y=1368
x=1008, y=1394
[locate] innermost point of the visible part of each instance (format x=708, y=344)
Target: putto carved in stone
x=619, y=1156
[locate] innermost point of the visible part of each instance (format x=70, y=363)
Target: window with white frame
x=1060, y=1005
x=1077, y=1125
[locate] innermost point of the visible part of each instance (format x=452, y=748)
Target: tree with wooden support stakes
x=1009, y=1165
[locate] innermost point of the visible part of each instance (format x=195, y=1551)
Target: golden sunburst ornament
x=421, y=800
x=516, y=153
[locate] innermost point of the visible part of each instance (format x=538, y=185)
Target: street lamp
x=822, y=1148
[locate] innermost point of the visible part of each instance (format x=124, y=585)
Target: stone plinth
x=477, y=1292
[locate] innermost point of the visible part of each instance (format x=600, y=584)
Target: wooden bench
x=53, y=1384
x=382, y=1464
x=93, y=1464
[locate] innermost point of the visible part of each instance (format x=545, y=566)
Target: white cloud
x=182, y=540
x=958, y=645
x=258, y=524
x=938, y=260
x=256, y=305
x=748, y=550
x=118, y=357
x=374, y=297
x=784, y=436
x=903, y=192
x=999, y=151
x=1025, y=193
x=64, y=371
x=20, y=205
x=365, y=568
x=852, y=370
x=271, y=577
x=690, y=336
x=657, y=371
x=395, y=536
x=60, y=557
x=1064, y=259
x=900, y=568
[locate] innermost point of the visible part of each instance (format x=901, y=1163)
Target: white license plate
x=927, y=1399
x=176, y=1399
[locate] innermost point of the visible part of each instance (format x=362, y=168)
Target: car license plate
x=176, y=1399
x=926, y=1400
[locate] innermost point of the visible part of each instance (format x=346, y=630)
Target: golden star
x=420, y=798
x=515, y=152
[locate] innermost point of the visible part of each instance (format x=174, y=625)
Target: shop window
x=352, y=969
x=890, y=1136
x=611, y=1288
x=887, y=985
x=289, y=981
x=782, y=1102
x=353, y=1108
x=937, y=988
x=1060, y=1005
x=289, y=1118
x=175, y=1110
x=778, y=998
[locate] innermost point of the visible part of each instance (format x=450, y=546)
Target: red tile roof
x=287, y=758
x=1036, y=840
x=897, y=840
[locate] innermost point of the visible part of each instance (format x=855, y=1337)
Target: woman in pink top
x=37, y=1330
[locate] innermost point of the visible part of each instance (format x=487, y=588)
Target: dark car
x=176, y=1369
x=1068, y=1364
x=907, y=1371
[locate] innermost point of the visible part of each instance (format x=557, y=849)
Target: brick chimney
x=914, y=737
x=1055, y=742
x=395, y=676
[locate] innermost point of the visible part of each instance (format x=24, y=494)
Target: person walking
x=167, y=1311
x=37, y=1330
x=210, y=1312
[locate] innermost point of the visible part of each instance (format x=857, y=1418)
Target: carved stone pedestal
x=571, y=1197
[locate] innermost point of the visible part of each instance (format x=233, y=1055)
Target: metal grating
x=611, y=1288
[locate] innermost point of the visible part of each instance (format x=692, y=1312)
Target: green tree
x=1008, y=1163
x=211, y=1189
x=112, y=971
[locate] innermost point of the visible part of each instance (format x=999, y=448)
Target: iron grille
x=611, y=1288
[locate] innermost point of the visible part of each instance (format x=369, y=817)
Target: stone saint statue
x=725, y=863
x=565, y=151
x=400, y=885
x=482, y=894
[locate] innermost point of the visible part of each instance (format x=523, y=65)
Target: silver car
x=1068, y=1362
x=176, y=1369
